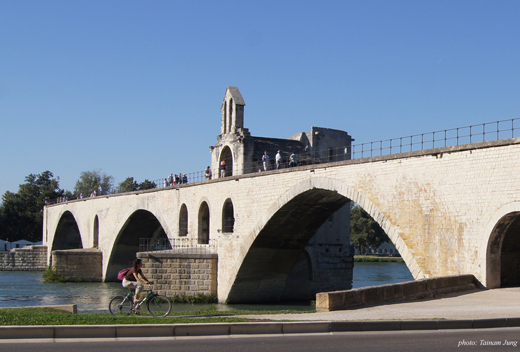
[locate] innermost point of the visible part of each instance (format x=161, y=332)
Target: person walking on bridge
x=265, y=160
x=223, y=168
x=278, y=159
x=207, y=173
x=293, y=160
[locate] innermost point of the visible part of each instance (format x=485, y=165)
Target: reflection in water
x=379, y=273
x=23, y=288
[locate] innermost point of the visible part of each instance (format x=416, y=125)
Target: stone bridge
x=449, y=211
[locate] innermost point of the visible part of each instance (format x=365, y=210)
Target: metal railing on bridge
x=443, y=138
x=182, y=245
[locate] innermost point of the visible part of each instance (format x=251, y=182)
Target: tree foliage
x=130, y=185
x=364, y=231
x=21, y=215
x=147, y=184
x=95, y=180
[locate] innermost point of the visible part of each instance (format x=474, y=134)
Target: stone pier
x=180, y=273
x=78, y=264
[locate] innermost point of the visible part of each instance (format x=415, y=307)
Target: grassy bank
x=375, y=258
x=49, y=316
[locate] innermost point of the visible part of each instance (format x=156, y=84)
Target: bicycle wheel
x=159, y=306
x=120, y=305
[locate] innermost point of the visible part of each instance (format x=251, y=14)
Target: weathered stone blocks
x=78, y=264
x=191, y=280
x=29, y=258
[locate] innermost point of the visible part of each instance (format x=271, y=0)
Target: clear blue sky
x=133, y=88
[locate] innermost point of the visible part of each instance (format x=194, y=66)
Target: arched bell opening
x=226, y=156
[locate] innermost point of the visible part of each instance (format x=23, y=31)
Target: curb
x=71, y=308
x=223, y=329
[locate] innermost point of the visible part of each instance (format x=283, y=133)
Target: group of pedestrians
x=173, y=180
x=293, y=160
x=62, y=199
x=94, y=193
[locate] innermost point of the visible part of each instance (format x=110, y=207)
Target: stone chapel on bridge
x=243, y=152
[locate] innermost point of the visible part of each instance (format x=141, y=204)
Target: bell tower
x=232, y=111
x=232, y=144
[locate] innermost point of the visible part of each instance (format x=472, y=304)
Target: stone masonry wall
x=333, y=269
x=29, y=258
x=181, y=274
x=78, y=264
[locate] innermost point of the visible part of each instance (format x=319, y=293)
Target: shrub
x=50, y=275
x=199, y=298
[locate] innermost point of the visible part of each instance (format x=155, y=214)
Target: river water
x=26, y=288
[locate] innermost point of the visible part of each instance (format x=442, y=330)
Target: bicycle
x=158, y=305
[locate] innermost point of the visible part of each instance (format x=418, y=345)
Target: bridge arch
x=67, y=235
x=502, y=249
x=140, y=224
x=276, y=242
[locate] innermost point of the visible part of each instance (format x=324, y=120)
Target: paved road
x=402, y=341
x=477, y=304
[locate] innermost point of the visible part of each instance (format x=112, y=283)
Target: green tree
x=365, y=231
x=21, y=215
x=90, y=181
x=9, y=217
x=128, y=185
x=146, y=184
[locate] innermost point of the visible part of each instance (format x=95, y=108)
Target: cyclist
x=132, y=280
